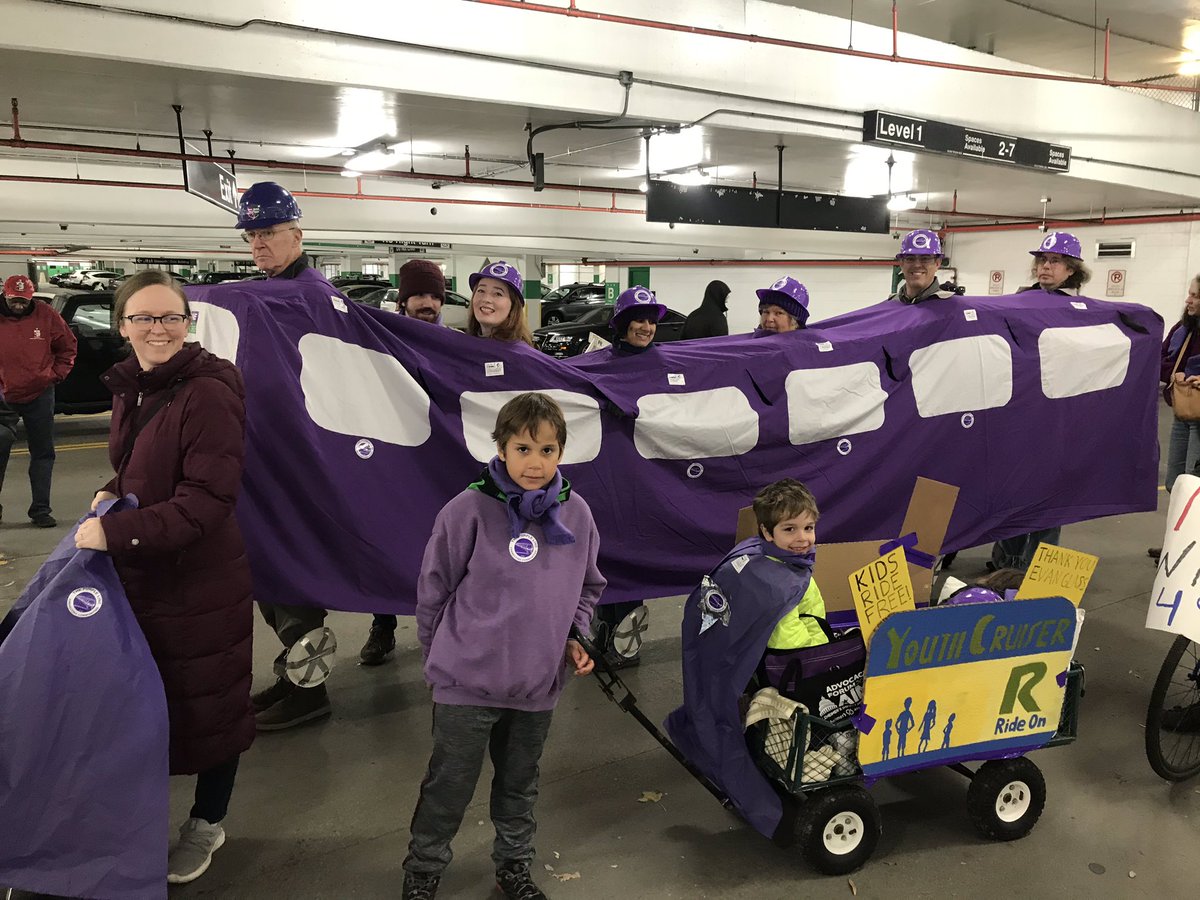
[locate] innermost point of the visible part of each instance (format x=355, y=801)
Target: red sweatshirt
x=36, y=351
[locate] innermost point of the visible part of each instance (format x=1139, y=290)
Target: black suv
x=89, y=316
x=569, y=302
x=571, y=339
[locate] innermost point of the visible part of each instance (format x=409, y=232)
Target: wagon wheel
x=838, y=829
x=1006, y=798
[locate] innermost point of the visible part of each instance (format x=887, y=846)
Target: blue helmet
x=266, y=204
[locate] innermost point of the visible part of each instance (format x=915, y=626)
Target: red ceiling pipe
x=292, y=166
x=441, y=201
x=574, y=12
x=683, y=263
x=1107, y=222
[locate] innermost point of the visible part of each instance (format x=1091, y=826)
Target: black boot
x=268, y=697
x=379, y=646
x=420, y=887
x=300, y=705
x=515, y=883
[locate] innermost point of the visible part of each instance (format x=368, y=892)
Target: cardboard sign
x=881, y=588
x=957, y=683
x=1058, y=572
x=1175, y=598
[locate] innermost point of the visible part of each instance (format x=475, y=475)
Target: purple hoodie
x=494, y=613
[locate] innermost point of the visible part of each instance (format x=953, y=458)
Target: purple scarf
x=540, y=505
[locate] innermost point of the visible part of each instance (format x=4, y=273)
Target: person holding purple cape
x=177, y=444
x=1059, y=268
x=782, y=307
x=498, y=304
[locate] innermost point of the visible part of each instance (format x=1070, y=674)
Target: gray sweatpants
x=461, y=737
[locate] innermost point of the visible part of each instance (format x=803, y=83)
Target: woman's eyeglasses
x=170, y=320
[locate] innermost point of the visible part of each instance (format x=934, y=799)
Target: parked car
x=357, y=286
x=220, y=277
x=571, y=338
x=98, y=279
x=82, y=277
x=454, y=310
x=89, y=316
x=569, y=302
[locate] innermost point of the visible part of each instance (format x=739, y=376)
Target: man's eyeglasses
x=170, y=320
x=265, y=234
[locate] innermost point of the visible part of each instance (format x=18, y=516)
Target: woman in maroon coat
x=177, y=445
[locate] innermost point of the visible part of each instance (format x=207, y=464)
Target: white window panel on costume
x=829, y=403
x=697, y=425
x=385, y=402
x=963, y=375
x=217, y=330
x=1083, y=359
x=479, y=409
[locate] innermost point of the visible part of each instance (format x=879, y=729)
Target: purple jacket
x=492, y=620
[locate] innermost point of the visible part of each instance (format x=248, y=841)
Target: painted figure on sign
x=946, y=732
x=904, y=724
x=927, y=722
x=887, y=739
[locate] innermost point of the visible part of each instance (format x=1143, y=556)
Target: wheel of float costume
x=838, y=829
x=627, y=637
x=1006, y=798
x=310, y=660
x=1172, y=735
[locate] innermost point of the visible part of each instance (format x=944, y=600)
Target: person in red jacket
x=37, y=351
x=177, y=443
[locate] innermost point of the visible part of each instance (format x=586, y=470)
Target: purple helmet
x=1061, y=242
x=789, y=295
x=635, y=303
x=501, y=271
x=921, y=242
x=974, y=594
x=266, y=204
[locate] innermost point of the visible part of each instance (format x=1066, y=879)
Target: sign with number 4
x=1175, y=598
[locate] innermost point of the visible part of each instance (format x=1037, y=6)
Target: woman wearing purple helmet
x=619, y=626
x=1059, y=269
x=498, y=304
x=1058, y=265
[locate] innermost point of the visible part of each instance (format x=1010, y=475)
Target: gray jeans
x=461, y=737
x=290, y=623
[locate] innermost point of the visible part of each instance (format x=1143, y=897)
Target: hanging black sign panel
x=210, y=182
x=897, y=130
x=162, y=261
x=709, y=204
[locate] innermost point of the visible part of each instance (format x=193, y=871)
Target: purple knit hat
x=789, y=295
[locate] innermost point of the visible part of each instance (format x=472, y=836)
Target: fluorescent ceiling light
x=688, y=178
x=351, y=173
x=643, y=187
x=1190, y=67
x=388, y=155
x=675, y=151
x=902, y=202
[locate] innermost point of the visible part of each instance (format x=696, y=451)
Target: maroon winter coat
x=180, y=554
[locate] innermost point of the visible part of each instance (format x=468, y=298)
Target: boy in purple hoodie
x=509, y=569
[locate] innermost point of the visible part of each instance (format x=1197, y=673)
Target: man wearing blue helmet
x=268, y=216
x=920, y=257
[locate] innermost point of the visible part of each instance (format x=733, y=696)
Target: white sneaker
x=190, y=858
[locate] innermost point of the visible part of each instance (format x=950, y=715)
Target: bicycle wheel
x=1173, y=717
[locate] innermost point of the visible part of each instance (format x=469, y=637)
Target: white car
x=96, y=279
x=454, y=310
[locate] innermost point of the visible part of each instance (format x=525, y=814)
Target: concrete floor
x=323, y=811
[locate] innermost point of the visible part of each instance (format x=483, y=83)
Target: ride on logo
x=1021, y=682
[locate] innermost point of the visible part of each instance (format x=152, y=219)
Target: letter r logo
x=1021, y=683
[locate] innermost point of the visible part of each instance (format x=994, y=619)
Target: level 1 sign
x=881, y=127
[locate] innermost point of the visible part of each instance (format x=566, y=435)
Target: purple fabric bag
x=827, y=678
x=83, y=738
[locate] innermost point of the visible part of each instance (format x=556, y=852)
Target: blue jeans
x=462, y=737
x=1183, y=452
x=1017, y=552
x=38, y=416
